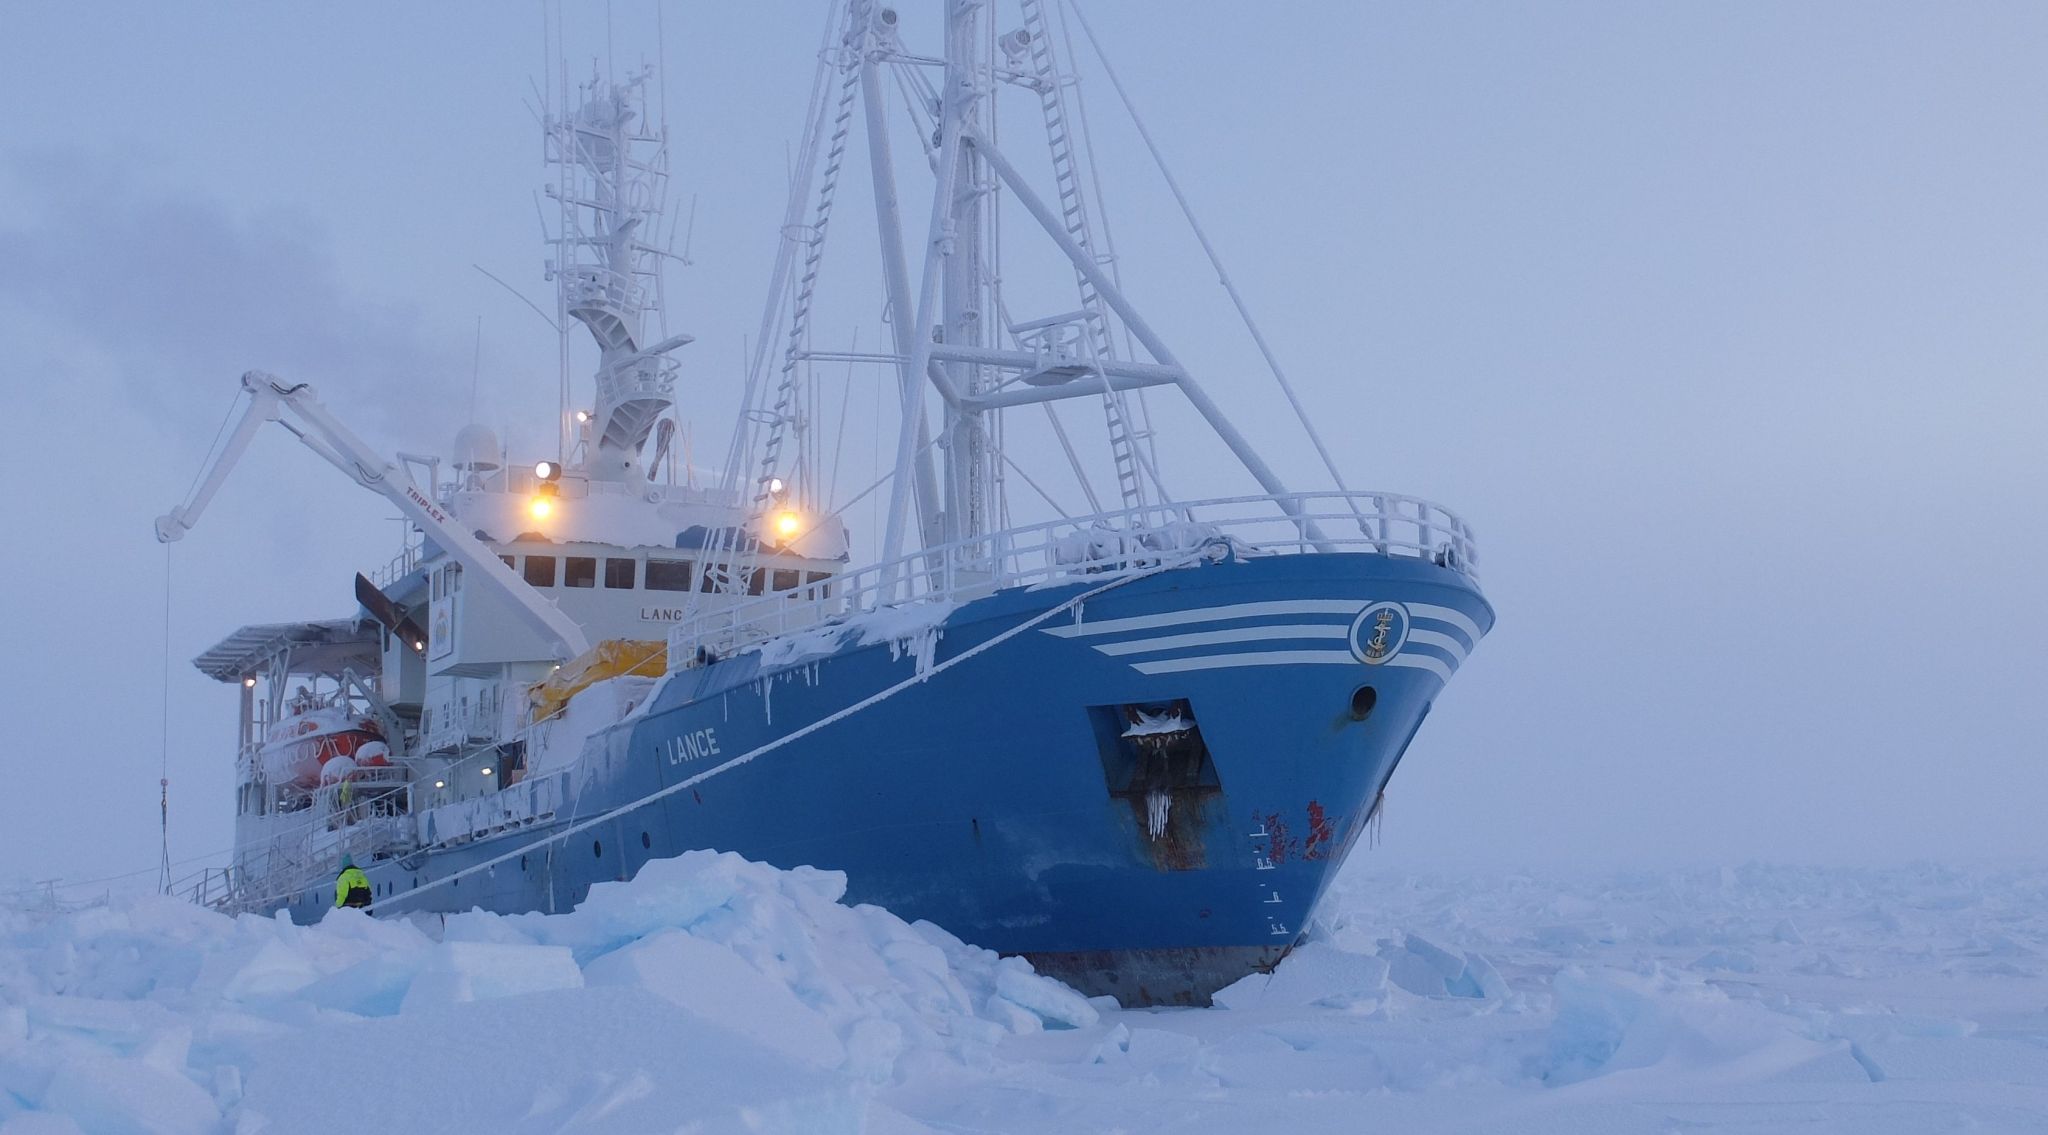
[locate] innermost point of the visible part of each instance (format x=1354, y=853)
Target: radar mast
x=611, y=190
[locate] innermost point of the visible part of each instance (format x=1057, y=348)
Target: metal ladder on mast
x=1123, y=441
x=807, y=285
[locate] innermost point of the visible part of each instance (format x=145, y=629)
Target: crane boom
x=271, y=399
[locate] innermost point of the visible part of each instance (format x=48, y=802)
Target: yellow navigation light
x=788, y=523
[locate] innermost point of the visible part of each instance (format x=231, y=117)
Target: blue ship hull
x=1001, y=797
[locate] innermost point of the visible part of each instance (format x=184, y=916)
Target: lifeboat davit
x=299, y=745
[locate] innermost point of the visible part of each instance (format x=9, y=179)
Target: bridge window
x=618, y=573
x=819, y=586
x=507, y=559
x=668, y=575
x=579, y=571
x=540, y=571
x=757, y=581
x=787, y=580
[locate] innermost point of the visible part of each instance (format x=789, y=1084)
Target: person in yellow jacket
x=353, y=887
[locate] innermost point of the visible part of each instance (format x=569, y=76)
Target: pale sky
x=1722, y=323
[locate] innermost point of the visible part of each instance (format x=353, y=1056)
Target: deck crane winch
x=298, y=408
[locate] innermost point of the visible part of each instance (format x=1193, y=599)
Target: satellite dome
x=476, y=449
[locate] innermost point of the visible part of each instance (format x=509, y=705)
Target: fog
x=1723, y=324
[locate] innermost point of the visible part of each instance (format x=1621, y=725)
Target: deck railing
x=1093, y=548
x=397, y=568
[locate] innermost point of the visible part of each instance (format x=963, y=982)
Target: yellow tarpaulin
x=614, y=658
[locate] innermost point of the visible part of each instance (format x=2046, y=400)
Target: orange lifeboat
x=307, y=738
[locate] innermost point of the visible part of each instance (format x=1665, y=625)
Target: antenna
x=163, y=783
x=689, y=232
x=548, y=319
x=476, y=367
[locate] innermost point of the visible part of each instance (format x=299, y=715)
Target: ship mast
x=953, y=336
x=613, y=165
x=966, y=438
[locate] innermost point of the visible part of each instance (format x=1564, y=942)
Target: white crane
x=271, y=400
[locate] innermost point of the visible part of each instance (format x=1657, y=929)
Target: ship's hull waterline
x=1001, y=798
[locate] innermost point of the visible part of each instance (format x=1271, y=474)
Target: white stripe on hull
x=1449, y=615
x=1270, y=632
x=1211, y=615
x=1235, y=634
x=1421, y=662
x=1441, y=642
x=1255, y=658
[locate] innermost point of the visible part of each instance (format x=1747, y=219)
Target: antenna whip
x=163, y=781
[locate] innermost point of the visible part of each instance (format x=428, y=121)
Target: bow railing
x=1092, y=548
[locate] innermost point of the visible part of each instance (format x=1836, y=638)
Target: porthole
x=597, y=848
x=645, y=841
x=522, y=863
x=1362, y=700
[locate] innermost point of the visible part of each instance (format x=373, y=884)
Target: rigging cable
x=1223, y=277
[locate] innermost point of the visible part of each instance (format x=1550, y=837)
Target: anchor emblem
x=1379, y=632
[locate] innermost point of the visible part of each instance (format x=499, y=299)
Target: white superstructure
x=519, y=566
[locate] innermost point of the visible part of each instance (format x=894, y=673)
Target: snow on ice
x=709, y=989
x=713, y=994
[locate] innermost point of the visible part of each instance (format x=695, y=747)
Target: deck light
x=419, y=644
x=540, y=508
x=582, y=416
x=440, y=784
x=775, y=486
x=787, y=523
x=548, y=470
x=249, y=683
x=486, y=771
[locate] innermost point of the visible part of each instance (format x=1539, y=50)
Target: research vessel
x=1132, y=741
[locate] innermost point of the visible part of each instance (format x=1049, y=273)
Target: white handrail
x=1092, y=547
